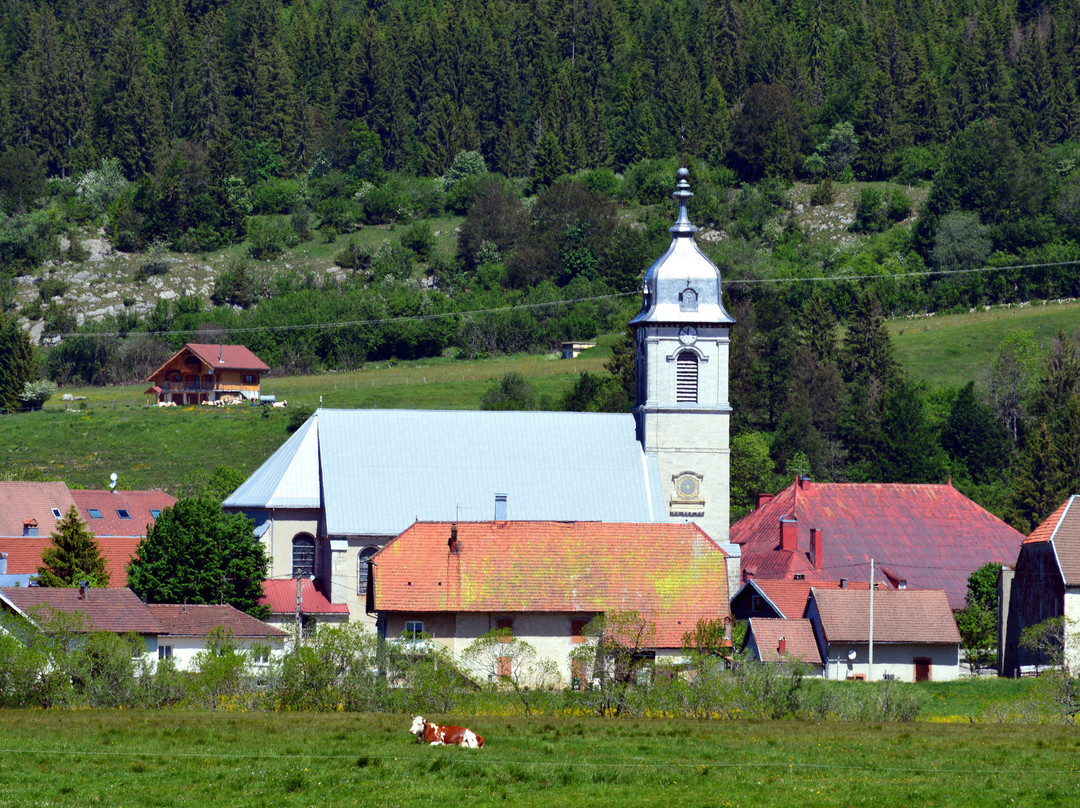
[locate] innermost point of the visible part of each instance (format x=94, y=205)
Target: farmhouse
x=118, y=519
x=349, y=481
x=544, y=581
x=199, y=373
x=1044, y=583
x=777, y=598
x=919, y=536
x=164, y=630
x=915, y=637
x=772, y=639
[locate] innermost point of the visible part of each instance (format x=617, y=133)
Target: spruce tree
x=16, y=362
x=74, y=555
x=1037, y=487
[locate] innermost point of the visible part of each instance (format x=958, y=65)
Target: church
x=349, y=481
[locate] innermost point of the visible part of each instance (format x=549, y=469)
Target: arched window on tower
x=303, y=556
x=686, y=377
x=362, y=564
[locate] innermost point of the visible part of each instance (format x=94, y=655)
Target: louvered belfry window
x=686, y=371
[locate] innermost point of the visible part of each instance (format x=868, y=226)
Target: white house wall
x=896, y=661
x=1072, y=622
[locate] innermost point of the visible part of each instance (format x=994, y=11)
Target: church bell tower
x=681, y=356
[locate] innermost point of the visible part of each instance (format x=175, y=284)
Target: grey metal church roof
x=682, y=269
x=381, y=470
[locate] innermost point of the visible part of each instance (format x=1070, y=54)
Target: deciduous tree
x=197, y=553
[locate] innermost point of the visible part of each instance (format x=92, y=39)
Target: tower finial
x=682, y=196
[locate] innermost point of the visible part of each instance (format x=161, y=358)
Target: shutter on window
x=686, y=373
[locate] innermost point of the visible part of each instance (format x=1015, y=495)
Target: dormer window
x=688, y=300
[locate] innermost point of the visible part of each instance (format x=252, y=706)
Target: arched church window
x=303, y=556
x=686, y=377
x=363, y=562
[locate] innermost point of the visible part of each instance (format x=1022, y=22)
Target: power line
x=527, y=306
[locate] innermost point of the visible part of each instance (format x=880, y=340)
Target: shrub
x=270, y=236
x=354, y=256
x=897, y=205
x=156, y=261
x=36, y=393
x=51, y=287
x=419, y=238
x=236, y=285
x=276, y=195
x=824, y=193
x=869, y=211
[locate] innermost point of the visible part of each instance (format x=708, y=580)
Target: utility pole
x=870, y=664
x=299, y=625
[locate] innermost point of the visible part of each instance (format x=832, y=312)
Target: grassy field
x=177, y=759
x=148, y=447
x=953, y=349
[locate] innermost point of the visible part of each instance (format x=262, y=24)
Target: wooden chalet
x=200, y=373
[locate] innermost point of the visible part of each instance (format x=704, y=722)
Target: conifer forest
x=548, y=133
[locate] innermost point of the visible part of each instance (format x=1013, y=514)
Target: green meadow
x=113, y=429
x=178, y=759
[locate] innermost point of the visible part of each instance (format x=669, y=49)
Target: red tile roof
x=1062, y=528
x=932, y=536
x=900, y=616
x=672, y=574
x=225, y=357
x=798, y=636
x=137, y=504
x=280, y=596
x=24, y=555
x=200, y=620
x=117, y=610
x=791, y=597
x=20, y=501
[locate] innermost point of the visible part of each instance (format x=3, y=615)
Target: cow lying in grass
x=427, y=732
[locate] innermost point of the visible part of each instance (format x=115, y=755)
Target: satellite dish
x=851, y=655
x=112, y=480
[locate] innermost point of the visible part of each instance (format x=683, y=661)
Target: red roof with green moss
x=672, y=574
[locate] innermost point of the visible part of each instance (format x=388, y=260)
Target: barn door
x=922, y=669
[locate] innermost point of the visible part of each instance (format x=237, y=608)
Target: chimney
x=843, y=583
x=3, y=563
x=781, y=647
x=84, y=590
x=789, y=533
x=816, y=548
x=452, y=542
x=30, y=527
x=804, y=481
x=500, y=507
x=761, y=499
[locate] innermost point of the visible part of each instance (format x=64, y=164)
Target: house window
x=362, y=565
x=154, y=512
x=755, y=603
x=414, y=630
x=505, y=666
x=577, y=630
x=122, y=513
x=686, y=377
x=505, y=627
x=94, y=513
x=303, y=556
x=249, y=378
x=56, y=513
x=164, y=652
x=798, y=576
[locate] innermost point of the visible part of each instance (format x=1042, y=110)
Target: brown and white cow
x=436, y=735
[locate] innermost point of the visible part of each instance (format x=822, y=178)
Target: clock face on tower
x=687, y=486
x=687, y=335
